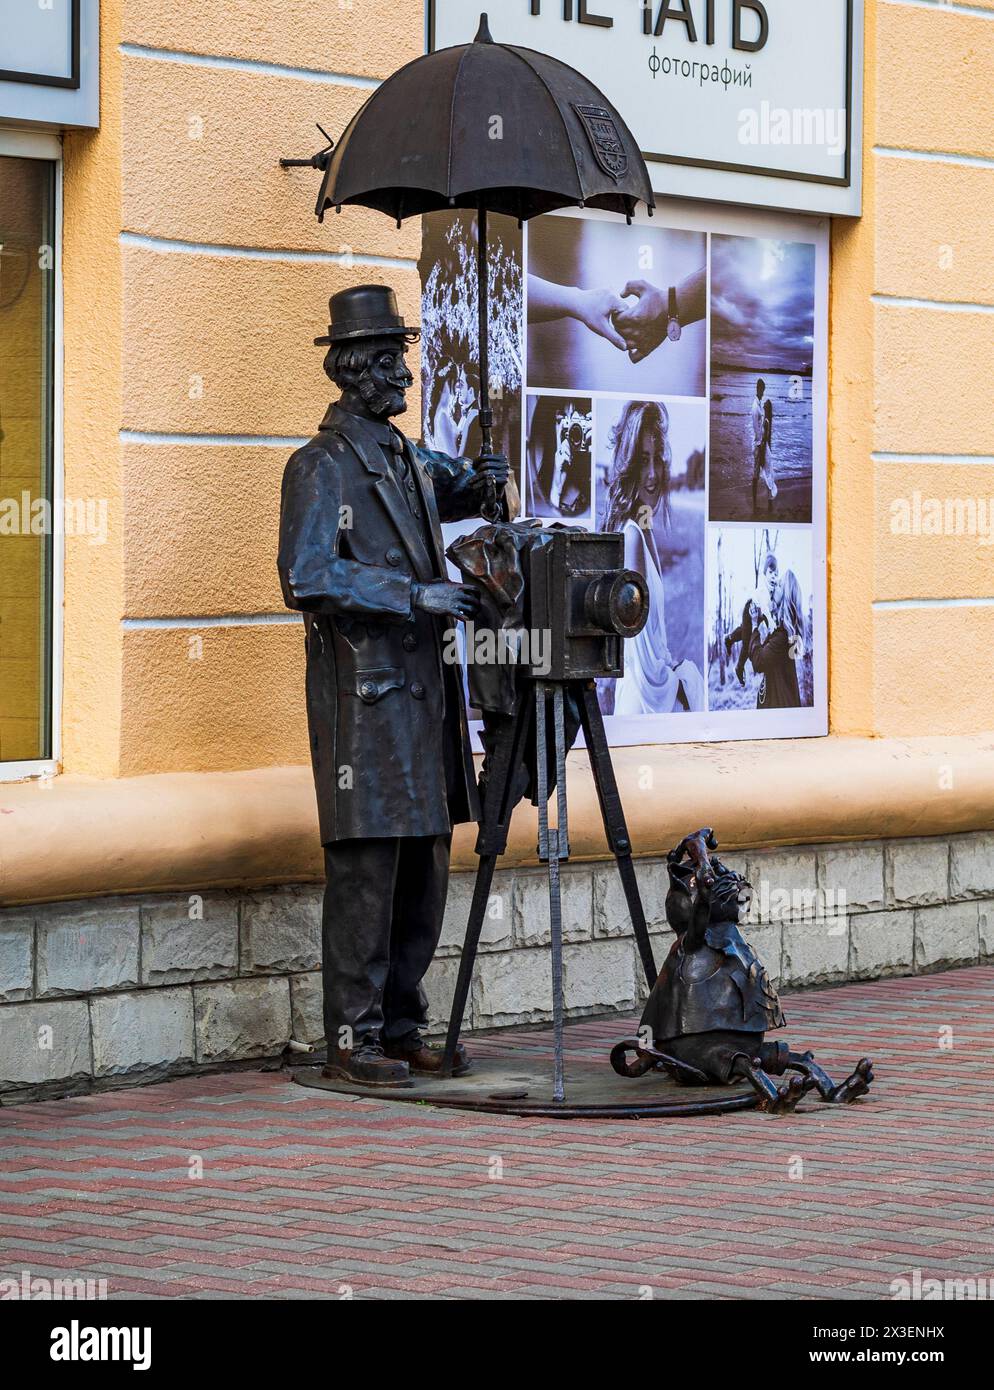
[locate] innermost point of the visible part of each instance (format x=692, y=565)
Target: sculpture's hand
x=445, y=600
x=493, y=466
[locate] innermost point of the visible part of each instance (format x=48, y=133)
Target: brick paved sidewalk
x=303, y=1194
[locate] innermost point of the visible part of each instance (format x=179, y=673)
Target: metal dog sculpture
x=713, y=1002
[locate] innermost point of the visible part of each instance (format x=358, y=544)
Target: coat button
x=410, y=642
x=367, y=691
x=418, y=690
x=394, y=555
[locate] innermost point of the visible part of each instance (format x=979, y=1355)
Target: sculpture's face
x=385, y=382
x=731, y=898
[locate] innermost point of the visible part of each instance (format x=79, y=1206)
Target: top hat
x=365, y=311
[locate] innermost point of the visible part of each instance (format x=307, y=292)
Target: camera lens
x=629, y=605
x=576, y=436
x=618, y=602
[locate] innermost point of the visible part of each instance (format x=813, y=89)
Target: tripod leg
x=553, y=845
x=481, y=896
x=491, y=843
x=613, y=816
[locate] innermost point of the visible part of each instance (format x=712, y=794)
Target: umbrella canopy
x=486, y=124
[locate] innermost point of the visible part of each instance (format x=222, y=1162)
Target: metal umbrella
x=491, y=127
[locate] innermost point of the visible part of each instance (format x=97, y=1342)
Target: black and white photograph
x=761, y=626
x=450, y=334
x=616, y=308
x=762, y=351
x=559, y=458
x=650, y=487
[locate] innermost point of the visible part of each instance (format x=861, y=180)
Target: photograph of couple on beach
x=616, y=308
x=762, y=349
x=761, y=635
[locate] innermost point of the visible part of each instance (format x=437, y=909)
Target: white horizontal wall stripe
x=975, y=161
x=946, y=306
x=882, y=604
x=227, y=620
x=946, y=6
x=933, y=458
x=212, y=60
x=259, y=253
x=266, y=441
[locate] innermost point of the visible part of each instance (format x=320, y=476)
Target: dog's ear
x=680, y=898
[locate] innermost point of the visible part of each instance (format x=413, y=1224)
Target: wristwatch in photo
x=673, y=329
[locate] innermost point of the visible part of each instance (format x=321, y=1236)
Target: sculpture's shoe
x=367, y=1065
x=855, y=1085
x=786, y=1098
x=424, y=1059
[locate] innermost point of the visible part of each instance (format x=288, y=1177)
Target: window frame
x=49, y=79
x=30, y=144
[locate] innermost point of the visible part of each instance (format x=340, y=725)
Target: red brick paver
x=304, y=1195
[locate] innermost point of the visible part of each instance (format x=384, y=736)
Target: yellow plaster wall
x=93, y=366
x=365, y=38
x=202, y=699
x=196, y=277
x=912, y=360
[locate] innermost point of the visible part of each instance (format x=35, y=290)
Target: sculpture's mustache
x=379, y=401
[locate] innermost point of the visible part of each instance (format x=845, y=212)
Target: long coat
x=386, y=715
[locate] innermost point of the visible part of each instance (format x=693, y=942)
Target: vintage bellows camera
x=581, y=594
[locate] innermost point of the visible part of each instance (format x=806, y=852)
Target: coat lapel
x=387, y=487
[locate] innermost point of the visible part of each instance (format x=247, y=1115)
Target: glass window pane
x=27, y=284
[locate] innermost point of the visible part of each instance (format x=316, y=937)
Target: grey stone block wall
x=114, y=991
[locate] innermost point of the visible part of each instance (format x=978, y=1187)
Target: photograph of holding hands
x=616, y=308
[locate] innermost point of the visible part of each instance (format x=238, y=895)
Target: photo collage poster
x=666, y=380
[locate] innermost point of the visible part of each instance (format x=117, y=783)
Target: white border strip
x=261, y=253
x=213, y=60
x=945, y=7
x=964, y=460
x=943, y=306
x=975, y=161
x=238, y=441
x=226, y=620
x=892, y=604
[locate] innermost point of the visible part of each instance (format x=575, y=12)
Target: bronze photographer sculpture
x=361, y=557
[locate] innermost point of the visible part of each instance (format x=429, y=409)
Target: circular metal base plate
x=522, y=1085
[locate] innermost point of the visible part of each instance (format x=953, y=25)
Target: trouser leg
x=356, y=925
x=420, y=890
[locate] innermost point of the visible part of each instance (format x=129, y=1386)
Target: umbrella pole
x=490, y=507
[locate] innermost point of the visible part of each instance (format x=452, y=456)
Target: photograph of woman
x=658, y=505
x=778, y=642
x=761, y=642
